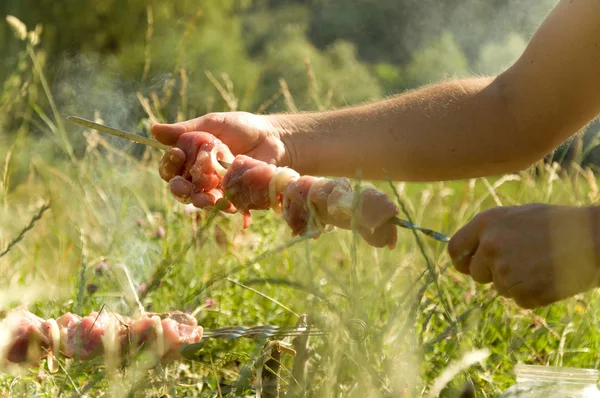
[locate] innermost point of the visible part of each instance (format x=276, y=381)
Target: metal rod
x=358, y=333
x=429, y=232
x=128, y=136
x=258, y=332
x=118, y=133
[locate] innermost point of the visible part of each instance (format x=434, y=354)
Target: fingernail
x=203, y=200
x=181, y=189
x=463, y=255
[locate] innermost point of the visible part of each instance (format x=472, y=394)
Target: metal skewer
x=357, y=331
x=429, y=232
x=118, y=133
x=155, y=144
x=128, y=136
x=259, y=332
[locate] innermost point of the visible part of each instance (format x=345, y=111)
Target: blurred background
x=326, y=53
x=329, y=52
x=98, y=54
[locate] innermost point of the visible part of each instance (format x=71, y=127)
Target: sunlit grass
x=112, y=225
x=113, y=211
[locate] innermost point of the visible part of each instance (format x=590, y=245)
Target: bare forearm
x=451, y=130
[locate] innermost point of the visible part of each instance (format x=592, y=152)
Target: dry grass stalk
x=289, y=100
x=6, y=175
x=59, y=130
x=168, y=90
x=157, y=103
x=303, y=354
x=492, y=189
x=468, y=360
x=314, y=85
x=149, y=33
x=593, y=195
x=270, y=101
x=183, y=93
x=186, y=37
x=29, y=226
x=17, y=26
x=226, y=93
x=147, y=107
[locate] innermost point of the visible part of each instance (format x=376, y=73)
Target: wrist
x=296, y=132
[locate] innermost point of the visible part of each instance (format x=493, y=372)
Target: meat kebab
x=27, y=338
x=308, y=204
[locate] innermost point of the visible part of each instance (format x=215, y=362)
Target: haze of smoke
x=90, y=85
x=499, y=41
x=497, y=56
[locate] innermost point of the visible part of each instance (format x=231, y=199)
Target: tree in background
x=189, y=57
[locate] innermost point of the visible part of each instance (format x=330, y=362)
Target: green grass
x=108, y=207
x=112, y=210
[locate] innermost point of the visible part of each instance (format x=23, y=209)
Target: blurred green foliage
x=255, y=55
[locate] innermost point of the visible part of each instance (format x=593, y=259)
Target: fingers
x=181, y=189
x=480, y=268
x=215, y=198
x=206, y=199
x=171, y=164
x=463, y=245
x=168, y=134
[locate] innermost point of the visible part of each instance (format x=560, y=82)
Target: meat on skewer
x=205, y=165
x=308, y=204
x=200, y=176
x=27, y=338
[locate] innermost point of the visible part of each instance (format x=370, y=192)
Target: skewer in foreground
x=26, y=338
x=309, y=204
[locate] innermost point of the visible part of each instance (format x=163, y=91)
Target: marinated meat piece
x=308, y=204
x=384, y=236
x=176, y=335
x=246, y=185
x=30, y=338
x=295, y=206
x=376, y=208
x=200, y=180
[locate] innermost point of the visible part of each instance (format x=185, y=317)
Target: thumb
x=464, y=244
x=168, y=134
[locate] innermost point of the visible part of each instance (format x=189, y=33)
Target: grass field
x=113, y=236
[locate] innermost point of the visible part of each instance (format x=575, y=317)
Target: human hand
x=535, y=254
x=244, y=133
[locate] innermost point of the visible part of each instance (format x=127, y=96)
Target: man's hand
x=244, y=133
x=536, y=254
